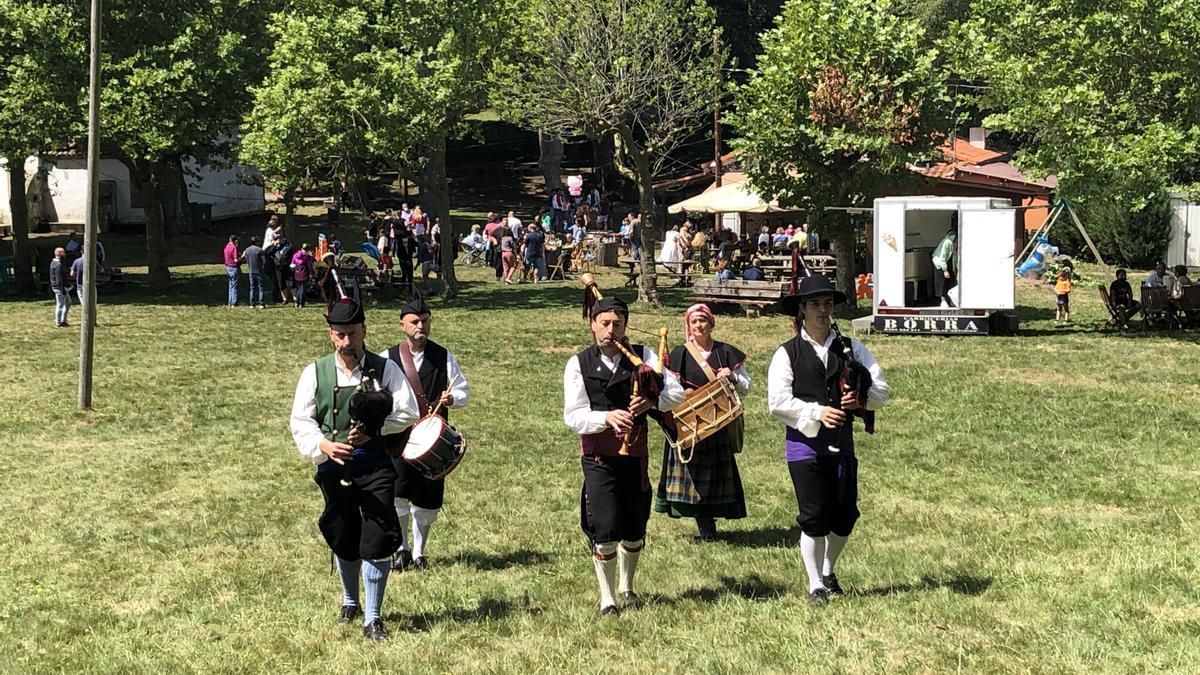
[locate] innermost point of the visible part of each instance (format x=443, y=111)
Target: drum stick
x=449, y=385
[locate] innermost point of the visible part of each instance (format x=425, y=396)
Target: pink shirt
x=231, y=255
x=303, y=262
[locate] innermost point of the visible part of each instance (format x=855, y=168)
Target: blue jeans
x=300, y=286
x=232, y=273
x=62, y=302
x=539, y=262
x=256, y=289
x=636, y=245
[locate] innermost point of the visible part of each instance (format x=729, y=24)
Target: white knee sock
x=628, y=554
x=833, y=548
x=422, y=521
x=812, y=549
x=403, y=510
x=605, y=560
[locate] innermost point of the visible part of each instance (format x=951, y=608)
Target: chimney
x=978, y=137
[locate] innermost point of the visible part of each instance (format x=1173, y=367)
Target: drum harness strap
x=711, y=375
x=410, y=373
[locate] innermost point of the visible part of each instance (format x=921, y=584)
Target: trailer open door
x=889, y=254
x=986, y=264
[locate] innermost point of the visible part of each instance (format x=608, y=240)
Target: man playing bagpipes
x=344, y=403
x=607, y=390
x=816, y=383
x=436, y=377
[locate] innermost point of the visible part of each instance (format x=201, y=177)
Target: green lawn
x=1028, y=504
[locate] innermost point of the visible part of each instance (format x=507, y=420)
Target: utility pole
x=717, y=107
x=91, y=220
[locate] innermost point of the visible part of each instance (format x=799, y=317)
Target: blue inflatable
x=1036, y=262
x=370, y=249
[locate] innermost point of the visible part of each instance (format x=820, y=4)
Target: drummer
x=803, y=392
x=599, y=405
x=435, y=376
x=358, y=524
x=709, y=485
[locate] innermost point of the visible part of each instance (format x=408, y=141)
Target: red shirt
x=231, y=255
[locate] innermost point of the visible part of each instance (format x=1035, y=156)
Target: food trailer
x=906, y=232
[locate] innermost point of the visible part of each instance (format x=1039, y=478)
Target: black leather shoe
x=375, y=631
x=611, y=610
x=420, y=563
x=401, y=561
x=631, y=599
x=818, y=597
x=831, y=584
x=348, y=613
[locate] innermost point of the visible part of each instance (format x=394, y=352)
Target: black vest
x=433, y=374
x=608, y=390
x=812, y=381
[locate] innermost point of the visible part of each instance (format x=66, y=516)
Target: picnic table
x=683, y=275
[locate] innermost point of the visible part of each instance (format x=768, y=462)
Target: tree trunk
x=639, y=173
x=550, y=160
x=603, y=149
x=842, y=243
x=173, y=196
x=22, y=253
x=440, y=187
x=156, y=250
x=289, y=210
x=360, y=188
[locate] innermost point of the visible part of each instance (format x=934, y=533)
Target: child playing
x=1062, y=289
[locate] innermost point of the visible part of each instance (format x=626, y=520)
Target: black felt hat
x=610, y=304
x=345, y=312
x=811, y=287
x=415, y=306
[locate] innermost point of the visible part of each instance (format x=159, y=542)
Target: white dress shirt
x=306, y=429
x=805, y=416
x=577, y=407
x=460, y=391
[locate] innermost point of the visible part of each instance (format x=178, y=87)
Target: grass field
x=1029, y=504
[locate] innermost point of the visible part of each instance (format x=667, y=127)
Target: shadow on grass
x=500, y=561
x=750, y=587
x=488, y=609
x=963, y=584
x=766, y=537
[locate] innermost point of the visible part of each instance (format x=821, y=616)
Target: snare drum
x=703, y=413
x=434, y=447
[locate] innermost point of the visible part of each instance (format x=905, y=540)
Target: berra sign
x=968, y=325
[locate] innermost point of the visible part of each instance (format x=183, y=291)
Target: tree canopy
x=639, y=71
x=831, y=113
x=1103, y=94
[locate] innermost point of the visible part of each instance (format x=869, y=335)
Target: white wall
x=1184, y=247
x=67, y=182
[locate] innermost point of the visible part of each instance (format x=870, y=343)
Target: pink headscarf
x=699, y=308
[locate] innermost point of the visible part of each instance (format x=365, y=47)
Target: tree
x=177, y=82
x=639, y=71
x=42, y=69
x=1103, y=94
x=305, y=115
x=843, y=98
x=380, y=81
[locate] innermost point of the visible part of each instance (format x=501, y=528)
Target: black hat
x=345, y=312
x=415, y=306
x=810, y=287
x=610, y=304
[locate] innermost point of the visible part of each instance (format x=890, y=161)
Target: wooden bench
x=753, y=296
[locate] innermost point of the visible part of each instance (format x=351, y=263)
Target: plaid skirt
x=709, y=485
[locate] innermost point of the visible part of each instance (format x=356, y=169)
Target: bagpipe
x=647, y=381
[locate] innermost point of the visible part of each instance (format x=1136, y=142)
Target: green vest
x=333, y=401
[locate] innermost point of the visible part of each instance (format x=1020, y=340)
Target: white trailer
x=906, y=232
